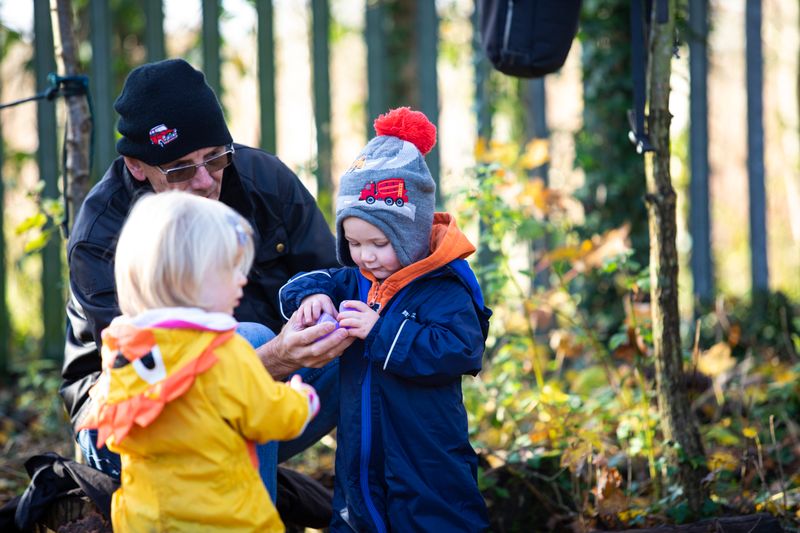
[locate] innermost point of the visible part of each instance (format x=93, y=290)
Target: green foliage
x=42, y=224
x=552, y=386
x=614, y=187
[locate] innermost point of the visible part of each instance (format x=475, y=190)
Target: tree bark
x=79, y=123
x=684, y=446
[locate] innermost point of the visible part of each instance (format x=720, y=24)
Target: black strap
x=640, y=11
x=64, y=86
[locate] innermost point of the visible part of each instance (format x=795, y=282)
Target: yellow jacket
x=183, y=407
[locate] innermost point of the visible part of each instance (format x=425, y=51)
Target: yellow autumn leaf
x=612, y=243
x=552, y=395
x=574, y=456
x=716, y=360
x=494, y=461
x=537, y=153
x=36, y=243
x=481, y=149
x=723, y=460
x=37, y=220
x=564, y=253
x=534, y=193
x=506, y=154
x=750, y=432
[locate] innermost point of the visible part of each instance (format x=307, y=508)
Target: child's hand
x=309, y=392
x=312, y=307
x=358, y=318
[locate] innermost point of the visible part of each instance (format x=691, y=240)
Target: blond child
x=182, y=398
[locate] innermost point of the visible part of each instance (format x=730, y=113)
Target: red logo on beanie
x=162, y=135
x=391, y=191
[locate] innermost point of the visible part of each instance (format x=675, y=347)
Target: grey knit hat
x=167, y=110
x=389, y=186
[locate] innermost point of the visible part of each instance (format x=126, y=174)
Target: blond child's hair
x=171, y=244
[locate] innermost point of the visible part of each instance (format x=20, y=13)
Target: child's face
x=370, y=249
x=223, y=290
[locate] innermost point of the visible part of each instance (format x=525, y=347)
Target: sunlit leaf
x=481, y=150
x=722, y=436
x=614, y=242
x=723, y=460
x=716, y=360
x=588, y=380
x=749, y=432
x=551, y=394
x=37, y=220
x=537, y=153
x=37, y=243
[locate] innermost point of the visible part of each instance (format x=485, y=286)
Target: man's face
x=204, y=181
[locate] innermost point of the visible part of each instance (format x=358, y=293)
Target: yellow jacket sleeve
x=256, y=406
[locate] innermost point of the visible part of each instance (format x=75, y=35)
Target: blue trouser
x=325, y=380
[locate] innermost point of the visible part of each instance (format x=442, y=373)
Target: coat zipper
x=366, y=440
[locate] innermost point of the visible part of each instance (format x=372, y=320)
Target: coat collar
x=448, y=242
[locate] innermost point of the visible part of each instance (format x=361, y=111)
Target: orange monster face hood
x=149, y=361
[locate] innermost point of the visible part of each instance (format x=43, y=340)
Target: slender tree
x=79, y=123
x=685, y=447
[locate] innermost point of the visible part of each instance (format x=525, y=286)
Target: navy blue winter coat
x=403, y=460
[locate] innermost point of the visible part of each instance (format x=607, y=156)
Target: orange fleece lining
x=447, y=243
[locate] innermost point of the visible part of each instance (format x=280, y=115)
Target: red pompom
x=409, y=125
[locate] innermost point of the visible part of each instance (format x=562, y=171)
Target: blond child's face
x=222, y=291
x=370, y=248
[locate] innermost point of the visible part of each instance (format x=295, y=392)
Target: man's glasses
x=187, y=172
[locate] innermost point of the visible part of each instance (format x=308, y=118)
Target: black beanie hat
x=167, y=110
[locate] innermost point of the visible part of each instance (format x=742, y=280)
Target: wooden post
x=684, y=446
x=266, y=75
x=699, y=220
x=377, y=101
x=211, y=46
x=484, y=111
x=102, y=88
x=154, y=30
x=427, y=33
x=322, y=105
x=755, y=153
x=5, y=323
x=47, y=155
x=535, y=101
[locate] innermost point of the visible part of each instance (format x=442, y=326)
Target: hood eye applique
x=151, y=367
x=120, y=361
x=148, y=361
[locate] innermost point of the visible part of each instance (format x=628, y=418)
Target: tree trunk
x=79, y=124
x=684, y=447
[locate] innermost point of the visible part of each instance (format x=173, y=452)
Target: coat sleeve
x=435, y=341
x=312, y=244
x=256, y=406
x=91, y=307
x=337, y=283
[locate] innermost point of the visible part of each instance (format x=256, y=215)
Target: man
x=174, y=136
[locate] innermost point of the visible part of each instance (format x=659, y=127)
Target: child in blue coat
x=403, y=458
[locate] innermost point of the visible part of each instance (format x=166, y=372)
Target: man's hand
x=296, y=347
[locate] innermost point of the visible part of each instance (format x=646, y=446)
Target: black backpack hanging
x=528, y=38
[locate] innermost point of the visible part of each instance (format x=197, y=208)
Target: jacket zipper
x=366, y=406
x=391, y=349
x=366, y=440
